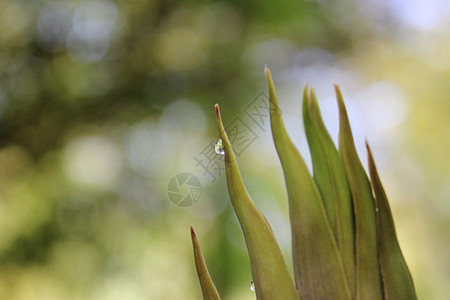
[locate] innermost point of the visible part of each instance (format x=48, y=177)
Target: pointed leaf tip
x=209, y=290
x=329, y=175
x=368, y=280
x=397, y=280
x=223, y=135
x=217, y=108
x=341, y=106
x=269, y=270
x=306, y=95
x=310, y=228
x=267, y=73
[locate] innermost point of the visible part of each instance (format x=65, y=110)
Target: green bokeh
x=103, y=102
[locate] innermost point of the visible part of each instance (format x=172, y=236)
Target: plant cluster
x=344, y=244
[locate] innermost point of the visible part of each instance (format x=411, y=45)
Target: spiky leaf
x=318, y=268
x=397, y=281
x=269, y=271
x=368, y=281
x=321, y=164
x=331, y=180
x=209, y=290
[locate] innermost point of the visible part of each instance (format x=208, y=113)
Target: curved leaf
x=329, y=175
x=321, y=163
x=318, y=269
x=368, y=281
x=269, y=271
x=209, y=290
x=397, y=281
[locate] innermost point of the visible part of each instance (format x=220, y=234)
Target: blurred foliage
x=103, y=102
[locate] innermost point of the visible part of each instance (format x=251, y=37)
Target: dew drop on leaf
x=252, y=286
x=218, y=147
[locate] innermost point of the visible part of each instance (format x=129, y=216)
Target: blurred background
x=107, y=123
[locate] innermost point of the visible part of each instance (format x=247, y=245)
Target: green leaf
x=329, y=175
x=318, y=268
x=321, y=163
x=397, y=281
x=269, y=271
x=368, y=281
x=209, y=290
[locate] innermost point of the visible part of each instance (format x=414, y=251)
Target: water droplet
x=219, y=147
x=376, y=209
x=252, y=286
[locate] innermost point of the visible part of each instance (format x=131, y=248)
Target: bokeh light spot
x=93, y=24
x=93, y=161
x=54, y=24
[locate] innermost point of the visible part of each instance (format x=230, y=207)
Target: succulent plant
x=344, y=244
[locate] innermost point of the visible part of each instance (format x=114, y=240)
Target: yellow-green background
x=103, y=102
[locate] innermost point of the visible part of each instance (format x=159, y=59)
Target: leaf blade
x=397, y=280
x=321, y=163
x=209, y=290
x=331, y=180
x=315, y=253
x=368, y=281
x=269, y=270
